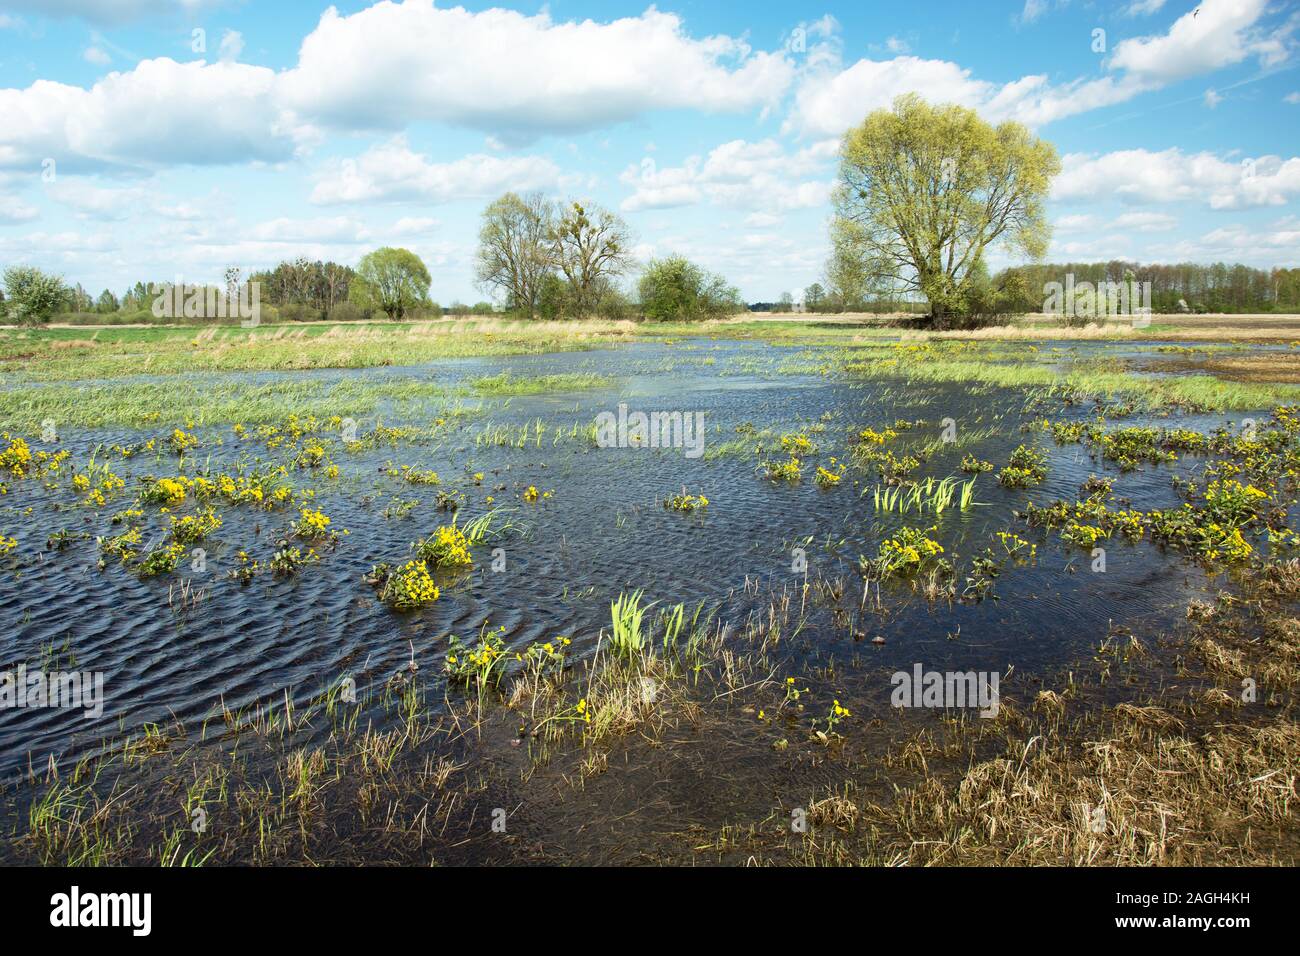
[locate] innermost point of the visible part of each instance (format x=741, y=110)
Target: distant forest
x=1185, y=287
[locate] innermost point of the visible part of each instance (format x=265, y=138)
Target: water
x=603, y=531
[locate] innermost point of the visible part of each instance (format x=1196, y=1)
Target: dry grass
x=1196, y=775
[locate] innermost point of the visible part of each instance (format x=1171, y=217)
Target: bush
x=348, y=312
x=675, y=289
x=296, y=312
x=31, y=296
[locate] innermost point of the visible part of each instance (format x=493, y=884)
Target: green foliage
x=925, y=190
x=393, y=280
x=674, y=288
x=32, y=296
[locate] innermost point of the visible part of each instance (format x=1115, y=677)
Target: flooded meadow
x=456, y=572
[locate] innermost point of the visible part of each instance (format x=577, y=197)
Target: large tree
x=924, y=190
x=394, y=280
x=517, y=249
x=591, y=249
x=32, y=296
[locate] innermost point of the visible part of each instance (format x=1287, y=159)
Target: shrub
x=31, y=296
x=296, y=312
x=348, y=312
x=675, y=289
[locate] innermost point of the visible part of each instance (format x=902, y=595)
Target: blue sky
x=151, y=139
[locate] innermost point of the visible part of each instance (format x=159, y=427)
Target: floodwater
x=603, y=531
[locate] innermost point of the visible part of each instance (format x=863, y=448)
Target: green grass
x=507, y=383
x=1195, y=391
x=627, y=638
x=211, y=400
x=68, y=354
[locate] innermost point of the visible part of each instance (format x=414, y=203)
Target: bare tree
x=516, y=249
x=591, y=249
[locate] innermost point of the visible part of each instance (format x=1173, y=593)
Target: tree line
x=540, y=258
x=924, y=194
x=1183, y=287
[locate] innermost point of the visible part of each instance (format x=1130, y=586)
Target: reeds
x=933, y=496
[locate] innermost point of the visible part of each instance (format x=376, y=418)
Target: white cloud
x=232, y=44
x=1216, y=34
x=386, y=67
x=894, y=45
x=1033, y=10
x=93, y=54
x=831, y=97
x=1146, y=221
x=831, y=100
x=1142, y=176
x=1277, y=244
x=322, y=229
x=1212, y=99
x=94, y=202
x=761, y=220
x=1082, y=221
x=413, y=226
x=160, y=112
x=738, y=173
x=392, y=171
x=13, y=210
x=1292, y=98
x=116, y=203
x=1143, y=8
x=519, y=76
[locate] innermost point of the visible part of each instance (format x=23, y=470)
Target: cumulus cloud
x=160, y=112
x=1216, y=34
x=386, y=67
x=738, y=173
x=830, y=97
x=392, y=172
x=1142, y=176
x=391, y=64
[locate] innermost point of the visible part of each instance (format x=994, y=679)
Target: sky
x=170, y=139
